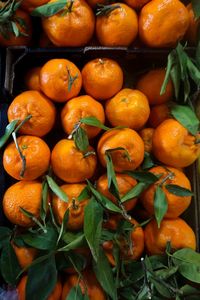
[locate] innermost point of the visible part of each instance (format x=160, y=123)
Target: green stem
x=23, y=158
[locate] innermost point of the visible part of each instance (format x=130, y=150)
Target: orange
x=175, y=231
x=192, y=32
x=128, y=108
x=30, y=5
x=150, y=84
x=160, y=25
x=19, y=17
x=136, y=4
x=90, y=283
x=173, y=145
x=25, y=255
x=82, y=107
x=125, y=184
x=158, y=114
x=137, y=238
x=130, y=141
x=60, y=80
x=37, y=105
x=32, y=79
x=69, y=163
x=21, y=289
x=102, y=78
x=176, y=204
x=76, y=207
x=72, y=27
x=37, y=156
x=147, y=135
x=118, y=27
x=25, y=194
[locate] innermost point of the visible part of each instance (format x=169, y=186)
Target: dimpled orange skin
x=25, y=256
x=136, y=4
x=137, y=237
x=129, y=108
x=177, y=231
x=102, y=78
x=150, y=84
x=173, y=145
x=129, y=140
x=25, y=194
x=158, y=114
x=30, y=5
x=73, y=29
x=21, y=40
x=32, y=79
x=21, y=290
x=82, y=107
x=76, y=207
x=69, y=163
x=37, y=105
x=37, y=156
x=147, y=135
x=176, y=204
x=125, y=184
x=118, y=28
x=54, y=80
x=192, y=32
x=163, y=23
x=94, y=289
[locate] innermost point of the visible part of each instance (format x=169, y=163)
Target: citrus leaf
x=9, y=265
x=56, y=189
x=85, y=194
x=148, y=161
x=134, y=192
x=8, y=132
x=76, y=294
x=188, y=262
x=15, y=29
x=104, y=275
x=76, y=243
x=49, y=9
x=175, y=75
x=170, y=62
x=105, y=10
x=92, y=121
x=112, y=181
x=178, y=190
x=189, y=290
x=44, y=202
x=81, y=139
x=186, y=117
x=93, y=218
x=145, y=177
x=42, y=279
x=63, y=225
x=196, y=8
x=160, y=205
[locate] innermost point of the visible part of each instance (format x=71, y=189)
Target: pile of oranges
x=106, y=132
x=76, y=23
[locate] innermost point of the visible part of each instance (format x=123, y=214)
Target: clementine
x=102, y=78
x=136, y=4
x=60, y=80
x=82, y=107
x=158, y=114
x=32, y=79
x=192, y=32
x=36, y=154
x=128, y=108
x=175, y=231
x=25, y=255
x=147, y=135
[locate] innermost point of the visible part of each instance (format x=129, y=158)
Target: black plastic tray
x=134, y=61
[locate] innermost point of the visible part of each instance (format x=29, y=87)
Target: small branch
x=76, y=127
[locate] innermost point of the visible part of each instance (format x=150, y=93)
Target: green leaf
x=93, y=218
x=42, y=279
x=134, y=192
x=161, y=288
x=49, y=9
x=76, y=294
x=112, y=181
x=8, y=132
x=104, y=275
x=170, y=62
x=148, y=161
x=63, y=225
x=56, y=189
x=103, y=200
x=76, y=243
x=15, y=29
x=194, y=72
x=189, y=290
x=186, y=117
x=9, y=265
x=41, y=240
x=188, y=262
x=166, y=273
x=44, y=202
x=81, y=139
x=145, y=177
x=160, y=205
x=175, y=75
x=178, y=190
x=92, y=121
x=196, y=8
x=85, y=194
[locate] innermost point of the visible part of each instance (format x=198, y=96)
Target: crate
x=133, y=61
